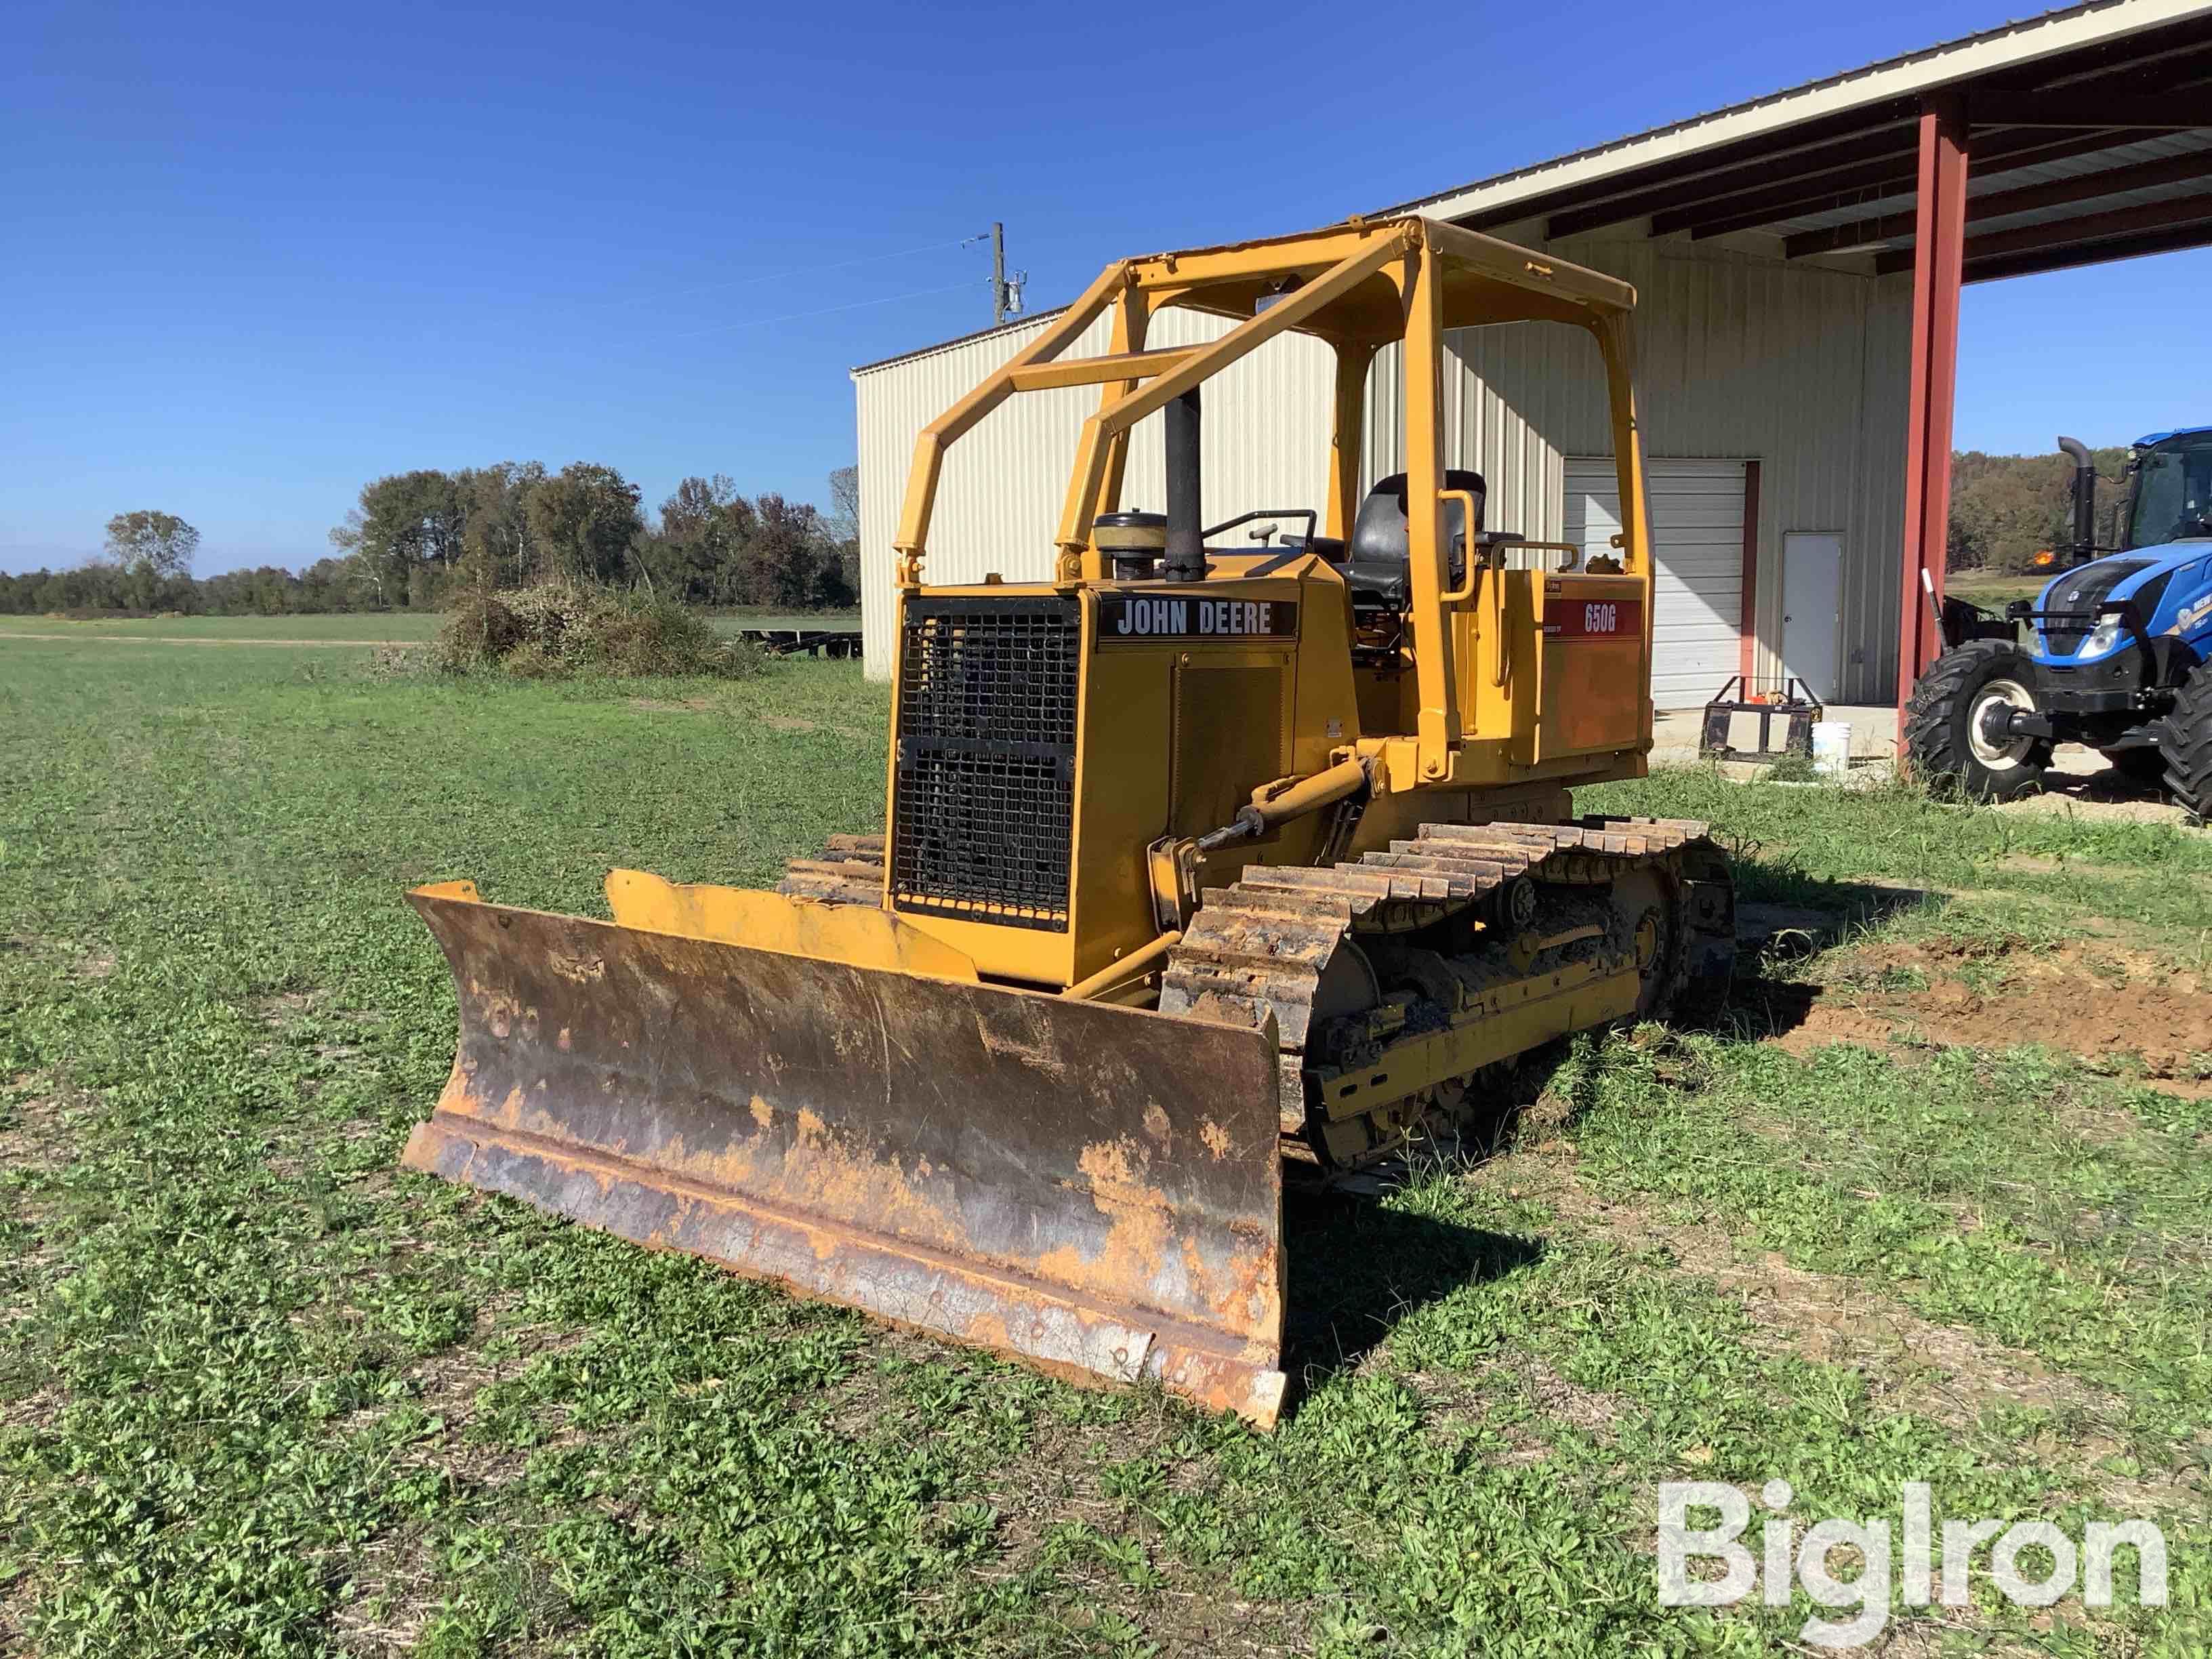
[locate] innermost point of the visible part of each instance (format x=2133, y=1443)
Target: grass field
x=1994, y=589
x=364, y=628
x=361, y=627
x=1935, y=1204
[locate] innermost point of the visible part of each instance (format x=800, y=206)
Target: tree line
x=418, y=540
x=2005, y=509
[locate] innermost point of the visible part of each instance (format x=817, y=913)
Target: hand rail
x=1470, y=514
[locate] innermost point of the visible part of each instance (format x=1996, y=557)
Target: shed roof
x=1027, y=319
x=2091, y=139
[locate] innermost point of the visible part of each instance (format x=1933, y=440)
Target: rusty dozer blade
x=1094, y=1189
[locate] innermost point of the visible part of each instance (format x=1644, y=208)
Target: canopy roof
x=1484, y=279
x=2090, y=136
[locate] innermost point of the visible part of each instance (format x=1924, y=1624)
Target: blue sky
x=256, y=255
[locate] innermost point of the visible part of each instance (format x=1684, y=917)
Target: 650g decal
x=1566, y=618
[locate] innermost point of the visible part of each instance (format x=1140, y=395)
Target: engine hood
x=2151, y=575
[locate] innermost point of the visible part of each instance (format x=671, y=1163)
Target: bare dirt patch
x=2100, y=1002
x=283, y=1007
x=394, y=1576
x=34, y=1131
x=2092, y=808
x=1557, y=1400
x=2083, y=784
x=673, y=705
x=40, y=1409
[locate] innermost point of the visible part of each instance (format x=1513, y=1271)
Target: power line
x=793, y=316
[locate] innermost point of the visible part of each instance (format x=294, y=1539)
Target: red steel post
x=1937, y=269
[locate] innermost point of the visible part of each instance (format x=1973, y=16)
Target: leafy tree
x=790, y=554
x=497, y=549
x=2006, y=509
x=408, y=527
x=421, y=538
x=158, y=545
x=844, y=522
x=583, y=520
x=700, y=553
x=331, y=585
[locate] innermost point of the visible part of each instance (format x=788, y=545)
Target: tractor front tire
x=2184, y=738
x=1945, y=740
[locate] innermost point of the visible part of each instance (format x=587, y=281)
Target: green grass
x=260, y=1393
x=1824, y=847
x=1994, y=589
x=361, y=627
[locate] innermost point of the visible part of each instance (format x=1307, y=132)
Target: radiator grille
x=983, y=804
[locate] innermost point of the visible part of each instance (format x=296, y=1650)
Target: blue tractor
x=2115, y=652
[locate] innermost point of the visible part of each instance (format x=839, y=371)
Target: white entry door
x=1696, y=534
x=1812, y=609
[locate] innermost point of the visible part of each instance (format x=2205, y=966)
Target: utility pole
x=1005, y=293
x=998, y=273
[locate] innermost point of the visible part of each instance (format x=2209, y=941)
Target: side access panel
x=1590, y=652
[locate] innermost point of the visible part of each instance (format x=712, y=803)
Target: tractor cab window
x=2172, y=493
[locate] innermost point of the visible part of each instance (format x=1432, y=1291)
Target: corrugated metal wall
x=1000, y=497
x=1800, y=368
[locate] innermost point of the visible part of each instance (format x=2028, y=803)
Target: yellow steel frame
x=1359, y=286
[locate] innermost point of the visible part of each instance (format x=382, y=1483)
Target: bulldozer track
x=849, y=872
x=1260, y=946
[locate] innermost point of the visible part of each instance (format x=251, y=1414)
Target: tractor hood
x=2160, y=580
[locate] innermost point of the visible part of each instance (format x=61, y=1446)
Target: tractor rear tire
x=2184, y=739
x=1943, y=737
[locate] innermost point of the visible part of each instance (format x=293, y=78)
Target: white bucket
x=1832, y=748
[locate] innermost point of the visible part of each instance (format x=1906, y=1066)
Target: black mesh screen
x=984, y=808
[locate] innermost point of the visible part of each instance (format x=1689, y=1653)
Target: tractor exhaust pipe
x=1186, y=549
x=2085, y=498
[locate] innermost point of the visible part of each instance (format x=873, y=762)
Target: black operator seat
x=1377, y=566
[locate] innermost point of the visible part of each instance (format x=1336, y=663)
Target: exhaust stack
x=2085, y=499
x=1186, y=549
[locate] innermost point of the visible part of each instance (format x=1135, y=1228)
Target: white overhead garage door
x=1697, y=530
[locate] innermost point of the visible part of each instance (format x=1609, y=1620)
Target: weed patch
x=560, y=629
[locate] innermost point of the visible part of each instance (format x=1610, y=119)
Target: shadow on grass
x=1830, y=910
x=1357, y=1269
x=1359, y=1266
x=1796, y=917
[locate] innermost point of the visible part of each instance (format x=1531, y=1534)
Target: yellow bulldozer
x=1202, y=863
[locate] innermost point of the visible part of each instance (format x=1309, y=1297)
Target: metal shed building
x=1797, y=261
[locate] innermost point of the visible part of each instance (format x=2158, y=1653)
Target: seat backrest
x=1378, y=534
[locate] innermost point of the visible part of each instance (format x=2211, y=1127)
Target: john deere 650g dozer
x=1197, y=859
